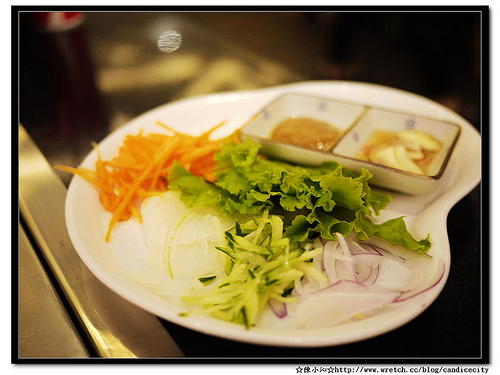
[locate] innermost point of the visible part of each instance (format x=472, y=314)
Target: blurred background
x=84, y=76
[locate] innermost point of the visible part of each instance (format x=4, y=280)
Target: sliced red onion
x=346, y=286
x=397, y=251
x=298, y=289
x=371, y=259
x=278, y=307
x=357, y=284
x=343, y=245
x=329, y=260
x=345, y=270
x=340, y=302
x=424, y=287
x=318, y=260
x=370, y=249
x=372, y=279
x=364, y=273
x=357, y=248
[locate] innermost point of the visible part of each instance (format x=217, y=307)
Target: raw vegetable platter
x=122, y=263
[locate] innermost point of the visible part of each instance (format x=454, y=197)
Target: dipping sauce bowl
x=405, y=152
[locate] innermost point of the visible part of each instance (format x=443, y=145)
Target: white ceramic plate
x=125, y=254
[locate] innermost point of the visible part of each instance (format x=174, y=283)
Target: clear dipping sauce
x=306, y=132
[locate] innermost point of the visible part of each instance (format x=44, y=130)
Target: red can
x=57, y=21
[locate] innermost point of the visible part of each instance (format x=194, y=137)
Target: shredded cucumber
x=264, y=266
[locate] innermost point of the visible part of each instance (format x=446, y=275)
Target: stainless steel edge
x=115, y=327
x=42, y=316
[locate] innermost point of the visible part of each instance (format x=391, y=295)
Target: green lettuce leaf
x=314, y=201
x=394, y=231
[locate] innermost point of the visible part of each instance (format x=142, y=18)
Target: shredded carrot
x=142, y=165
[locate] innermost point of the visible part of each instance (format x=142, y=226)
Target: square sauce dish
x=405, y=152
